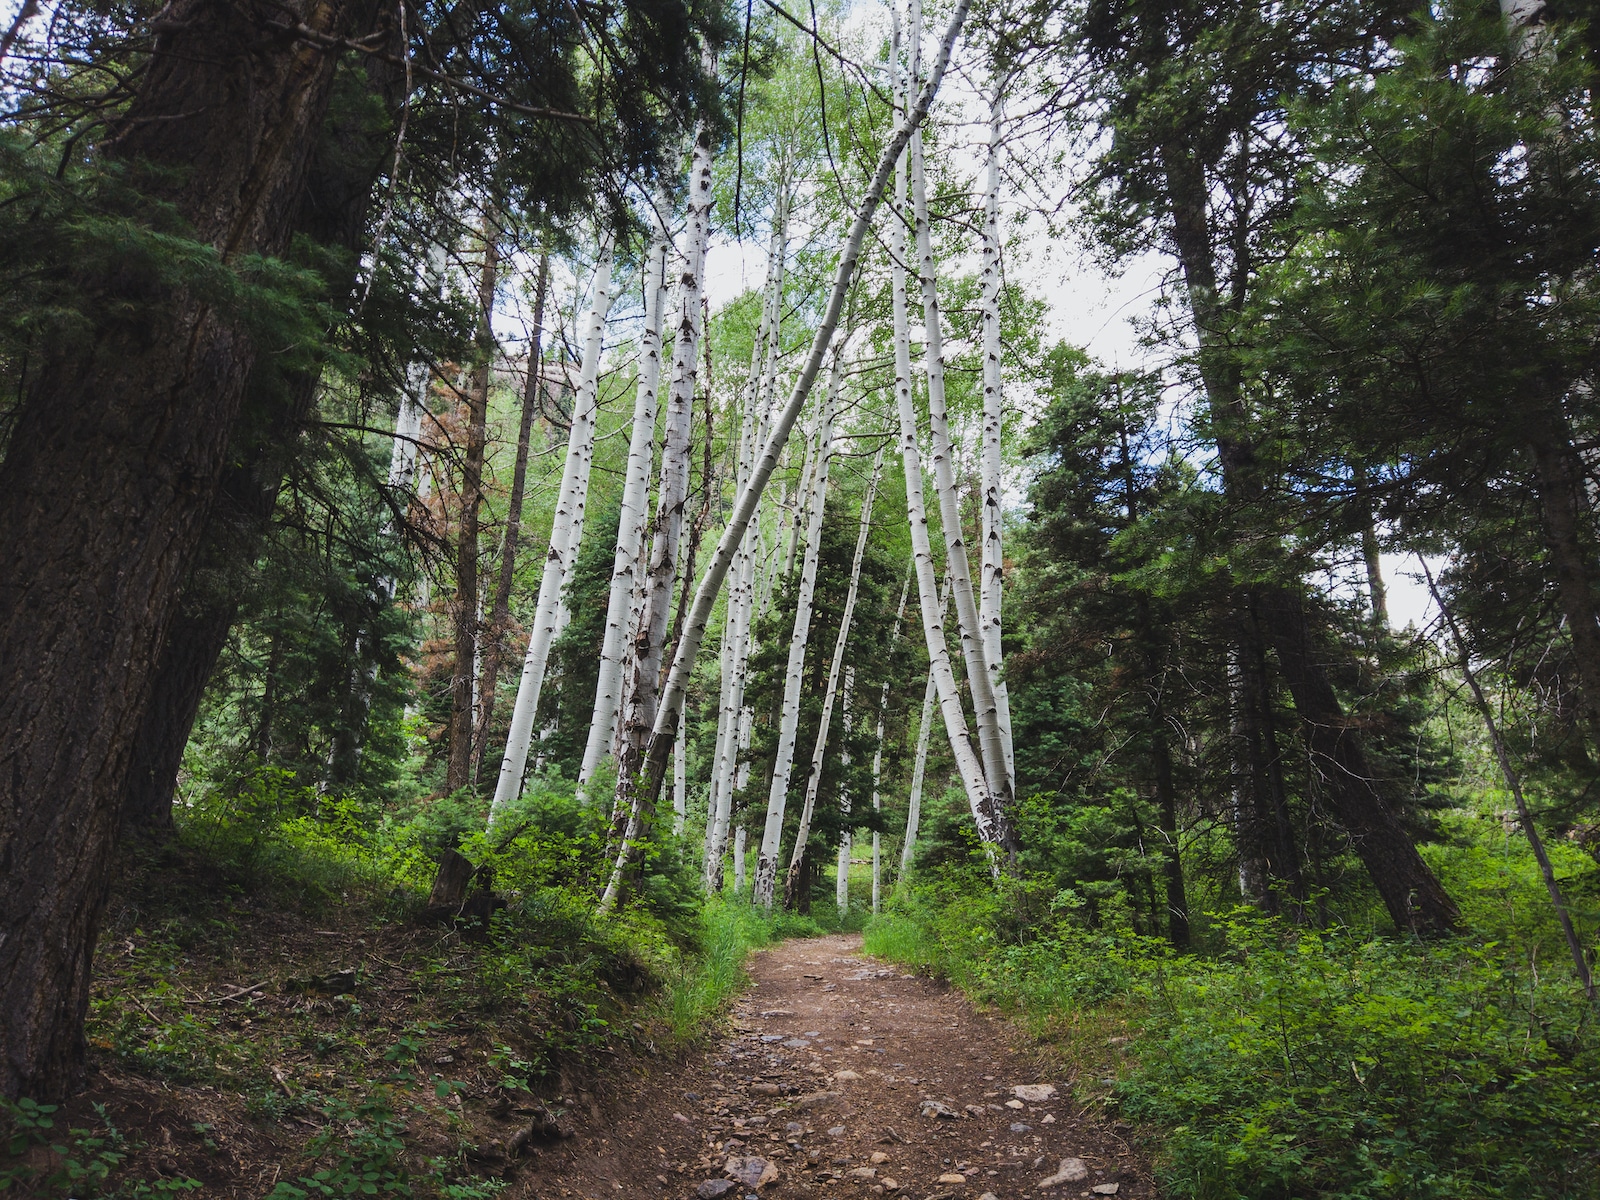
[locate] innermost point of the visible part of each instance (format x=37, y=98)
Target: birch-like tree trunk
x=680, y=777
x=646, y=786
x=836, y=667
x=500, y=613
x=740, y=840
x=877, y=753
x=841, y=874
x=673, y=492
x=989, y=614
x=570, y=504
x=631, y=522
x=789, y=711
x=919, y=767
x=979, y=680
x=988, y=816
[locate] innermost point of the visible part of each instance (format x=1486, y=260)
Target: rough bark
x=467, y=608
x=112, y=468
x=500, y=612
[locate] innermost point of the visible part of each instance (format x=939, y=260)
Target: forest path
x=845, y=1078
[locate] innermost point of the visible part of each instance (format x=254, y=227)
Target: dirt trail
x=848, y=1078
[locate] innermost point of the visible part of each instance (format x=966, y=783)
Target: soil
x=826, y=1075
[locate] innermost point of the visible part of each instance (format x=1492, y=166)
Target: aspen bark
x=979, y=681
x=836, y=668
x=647, y=786
x=920, y=764
x=993, y=563
x=563, y=551
x=680, y=778
x=740, y=839
x=789, y=712
x=631, y=522
x=841, y=875
x=877, y=754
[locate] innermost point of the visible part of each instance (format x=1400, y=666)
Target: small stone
x=777, y=1012
x=765, y=1089
x=796, y=1044
x=1034, y=1093
x=878, y=1156
x=1071, y=1170
x=773, y=1037
x=712, y=1189
x=1019, y=1127
x=934, y=1108
x=889, y=1185
x=1049, y=1118
x=836, y=1131
x=974, y=1110
x=677, y=1116
x=1014, y=1104
x=1105, y=1189
x=988, y=1196
x=751, y=1171
x=951, y=1177
x=662, y=1180
x=794, y=1127
x=865, y=1172
x=845, y=1076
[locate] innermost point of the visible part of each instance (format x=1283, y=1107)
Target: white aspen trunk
x=993, y=567
x=877, y=753
x=680, y=777
x=564, y=541
x=631, y=523
x=841, y=877
x=977, y=670
x=672, y=496
x=920, y=765
x=789, y=712
x=646, y=788
x=740, y=838
x=836, y=669
x=967, y=764
x=719, y=805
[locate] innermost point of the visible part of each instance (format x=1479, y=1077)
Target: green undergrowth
x=1289, y=1062
x=377, y=1046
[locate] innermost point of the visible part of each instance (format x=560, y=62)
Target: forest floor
x=843, y=1076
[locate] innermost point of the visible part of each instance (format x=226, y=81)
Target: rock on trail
x=839, y=1077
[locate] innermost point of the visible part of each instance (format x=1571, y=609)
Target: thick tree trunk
x=500, y=613
x=919, y=768
x=113, y=465
x=467, y=608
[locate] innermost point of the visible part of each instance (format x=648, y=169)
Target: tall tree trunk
x=351, y=150
x=647, y=786
x=799, y=638
x=1377, y=594
x=836, y=670
x=468, y=607
x=565, y=538
x=841, y=874
x=979, y=681
x=112, y=467
x=631, y=521
x=877, y=753
x=1410, y=891
x=673, y=492
x=993, y=568
x=500, y=613
x=919, y=768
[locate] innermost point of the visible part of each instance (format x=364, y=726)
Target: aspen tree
x=920, y=763
x=993, y=564
x=841, y=875
x=789, y=711
x=877, y=754
x=565, y=538
x=646, y=786
x=836, y=669
x=979, y=680
x=631, y=521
